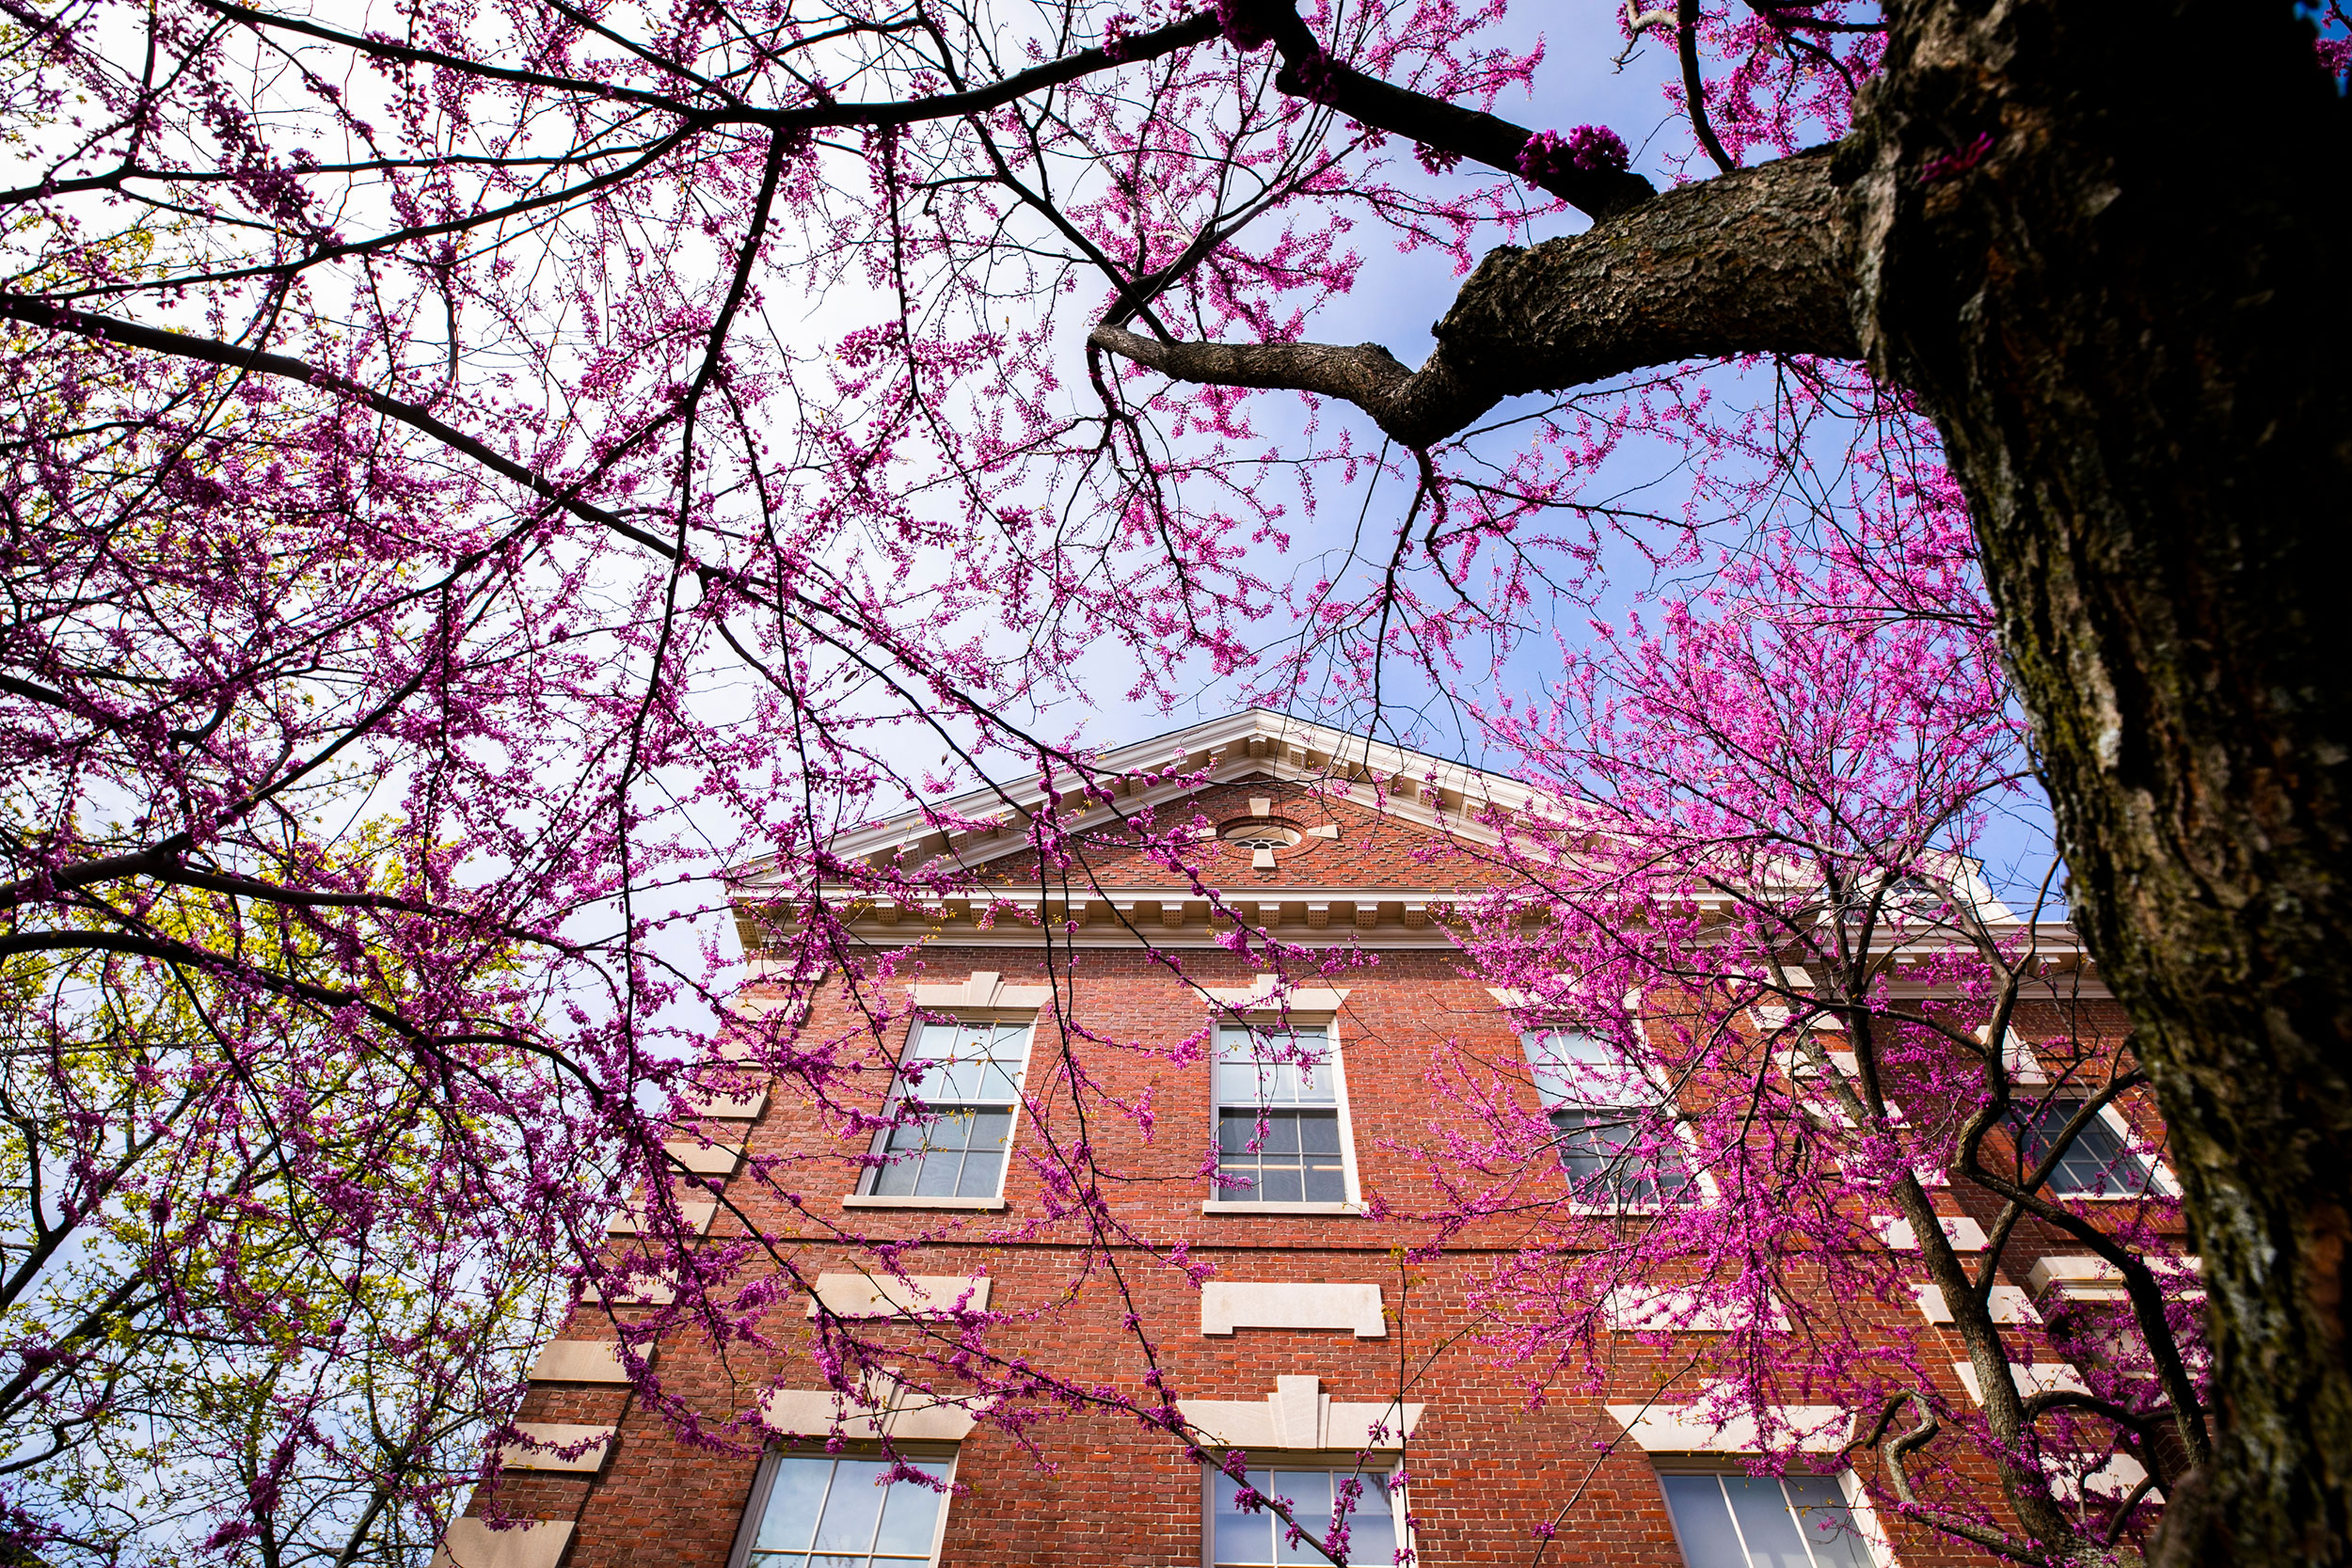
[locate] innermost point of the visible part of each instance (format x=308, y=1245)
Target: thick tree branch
x=1752, y=263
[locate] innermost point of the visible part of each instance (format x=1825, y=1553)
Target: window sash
x=1614, y=1138
x=1576, y=1067
x=1618, y=1155
x=1278, y=1115
x=1286, y=1156
x=1313, y=1494
x=956, y=1095
x=1734, y=1520
x=2097, y=1163
x=1275, y=1067
x=828, y=1510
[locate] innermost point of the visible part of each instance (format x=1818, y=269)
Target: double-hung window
x=2097, y=1163
x=1319, y=1501
x=826, y=1510
x=1614, y=1134
x=1728, y=1520
x=957, y=1090
x=1279, y=1138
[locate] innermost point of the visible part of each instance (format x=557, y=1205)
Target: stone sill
x=1220, y=1206
x=860, y=1201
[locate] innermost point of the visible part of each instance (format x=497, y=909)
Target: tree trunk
x=2105, y=244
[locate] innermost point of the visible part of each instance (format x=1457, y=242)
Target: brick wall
x=1488, y=1466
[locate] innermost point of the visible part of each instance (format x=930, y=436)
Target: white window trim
x=1684, y=1132
x=1298, y=1459
x=764, y=1481
x=1268, y=1018
x=923, y=1018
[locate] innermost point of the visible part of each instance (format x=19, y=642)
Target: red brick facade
x=1488, y=1472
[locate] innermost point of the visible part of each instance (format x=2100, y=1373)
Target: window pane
x=840, y=1502
x=1307, y=1495
x=853, y=1507
x=1281, y=1136
x=1326, y=1183
x=897, y=1179
x=910, y=1520
x=935, y=1042
x=1317, y=1083
x=1765, y=1522
x=936, y=1176
x=1826, y=1522
x=1319, y=1133
x=1703, y=1521
x=1280, y=1184
x=984, y=1172
x=1235, y=1131
x=1241, y=1539
x=988, y=1131
x=1371, y=1527
x=793, y=1501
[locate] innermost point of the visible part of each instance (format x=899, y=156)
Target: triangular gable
x=1411, y=786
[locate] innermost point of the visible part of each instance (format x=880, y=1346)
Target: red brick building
x=1308, y=1340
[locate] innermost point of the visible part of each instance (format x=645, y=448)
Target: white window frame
x=870, y=1176
x=764, y=1483
x=1269, y=1019
x=1866, y=1520
x=1667, y=1105
x=1334, y=1459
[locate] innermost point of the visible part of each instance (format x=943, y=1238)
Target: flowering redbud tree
x=1777, y=1018
x=476, y=473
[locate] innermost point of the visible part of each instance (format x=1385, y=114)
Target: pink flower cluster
x=1586, y=150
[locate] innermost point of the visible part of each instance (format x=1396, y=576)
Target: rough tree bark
x=2098, y=240
x=2124, y=319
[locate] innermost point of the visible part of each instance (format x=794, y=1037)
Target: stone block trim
x=1299, y=1415
x=984, y=991
x=905, y=1417
x=1265, y=995
x=2074, y=1278
x=581, y=1361
x=632, y=1220
x=1227, y=1305
x=2037, y=1377
x=859, y=1296
x=552, y=1444
x=635, y=1290
x=2008, y=1302
x=1689, y=1428
x=472, y=1544
x=711, y=1158
x=1965, y=1234
x=1682, y=1310
x=726, y=1107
